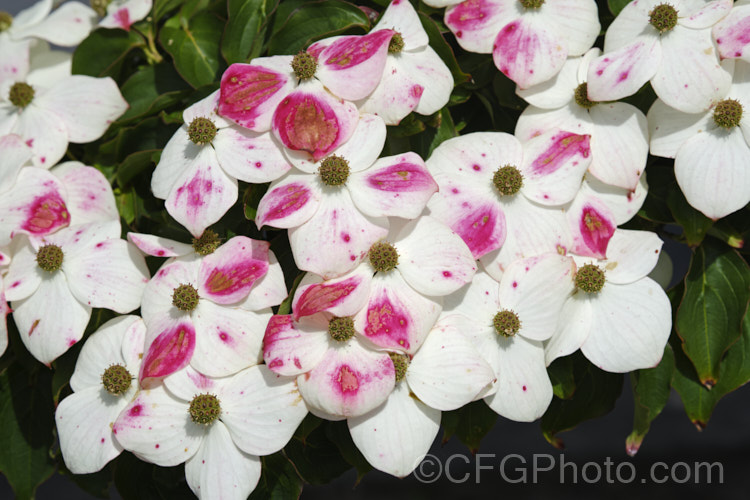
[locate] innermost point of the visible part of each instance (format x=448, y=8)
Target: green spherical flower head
x=21, y=94
x=341, y=329
x=383, y=256
x=116, y=379
x=507, y=180
x=49, y=258
x=208, y=242
x=531, y=4
x=100, y=6
x=204, y=409
x=590, y=278
x=400, y=363
x=201, y=131
x=304, y=65
x=663, y=18
x=6, y=21
x=397, y=44
x=581, y=96
x=506, y=323
x=334, y=171
x=728, y=113
x=185, y=298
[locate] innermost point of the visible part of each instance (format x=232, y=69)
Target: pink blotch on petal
x=483, y=230
x=306, y=123
x=169, y=352
x=285, y=201
x=596, y=231
x=351, y=51
x=244, y=88
x=404, y=177
x=46, y=214
x=734, y=38
x=565, y=146
x=122, y=17
x=223, y=281
x=471, y=15
x=387, y=325
x=320, y=297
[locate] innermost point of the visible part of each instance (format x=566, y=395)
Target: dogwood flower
x=711, y=149
x=446, y=373
x=103, y=384
x=529, y=39
x=4, y=312
x=618, y=317
x=337, y=208
x=67, y=26
x=49, y=110
x=414, y=78
x=199, y=167
x=502, y=197
x=619, y=131
x=121, y=13
x=202, y=311
x=667, y=43
x=54, y=281
x=731, y=32
x=302, y=97
x=507, y=322
x=217, y=427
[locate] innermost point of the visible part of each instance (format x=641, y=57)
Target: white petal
x=669, y=128
x=632, y=21
x=395, y=437
x=157, y=428
x=711, y=169
x=157, y=246
x=630, y=326
x=270, y=290
x=689, y=77
x=535, y=289
x=631, y=255
x=202, y=194
x=729, y=33
x=89, y=196
x=289, y=202
x=85, y=104
x=555, y=92
x=50, y=320
x=402, y=18
x=249, y=156
x=111, y=274
x=291, y=348
x=475, y=157
x=14, y=155
x=261, y=410
x=624, y=204
x=206, y=108
x=227, y=339
x=432, y=258
x=536, y=121
x=576, y=21
x=45, y=132
x=476, y=24
x=619, y=144
x=84, y=421
x=524, y=390
x=429, y=71
x=219, y=469
x=706, y=15
x=397, y=94
x=573, y=328
x=123, y=14
x=33, y=15
x=48, y=66
x=621, y=73
x=24, y=274
x=67, y=26
x=448, y=372
x=157, y=296
x=179, y=152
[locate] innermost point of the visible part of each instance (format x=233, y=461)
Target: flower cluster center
x=531, y=4
x=396, y=44
x=383, y=256
x=341, y=329
x=581, y=96
x=6, y=21
x=201, y=130
x=100, y=6
x=116, y=379
x=304, y=65
x=400, y=364
x=590, y=278
x=185, y=297
x=663, y=18
x=204, y=409
x=728, y=113
x=334, y=171
x=506, y=323
x=507, y=180
x=208, y=242
x=21, y=94
x=49, y=258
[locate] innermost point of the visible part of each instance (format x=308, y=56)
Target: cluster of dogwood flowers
x=394, y=321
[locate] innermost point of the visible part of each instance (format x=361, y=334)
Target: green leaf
x=700, y=401
x=733, y=229
x=252, y=197
x=439, y=45
x=316, y=20
x=102, y=53
x=26, y=423
x=194, y=47
x=469, y=424
x=694, y=223
x=709, y=319
x=661, y=181
x=561, y=375
x=133, y=478
x=163, y=7
x=425, y=143
x=595, y=395
x=317, y=459
x=151, y=89
x=246, y=27
x=338, y=432
x=651, y=389
x=134, y=165
x=505, y=92
x=286, y=306
x=279, y=480
x=615, y=6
